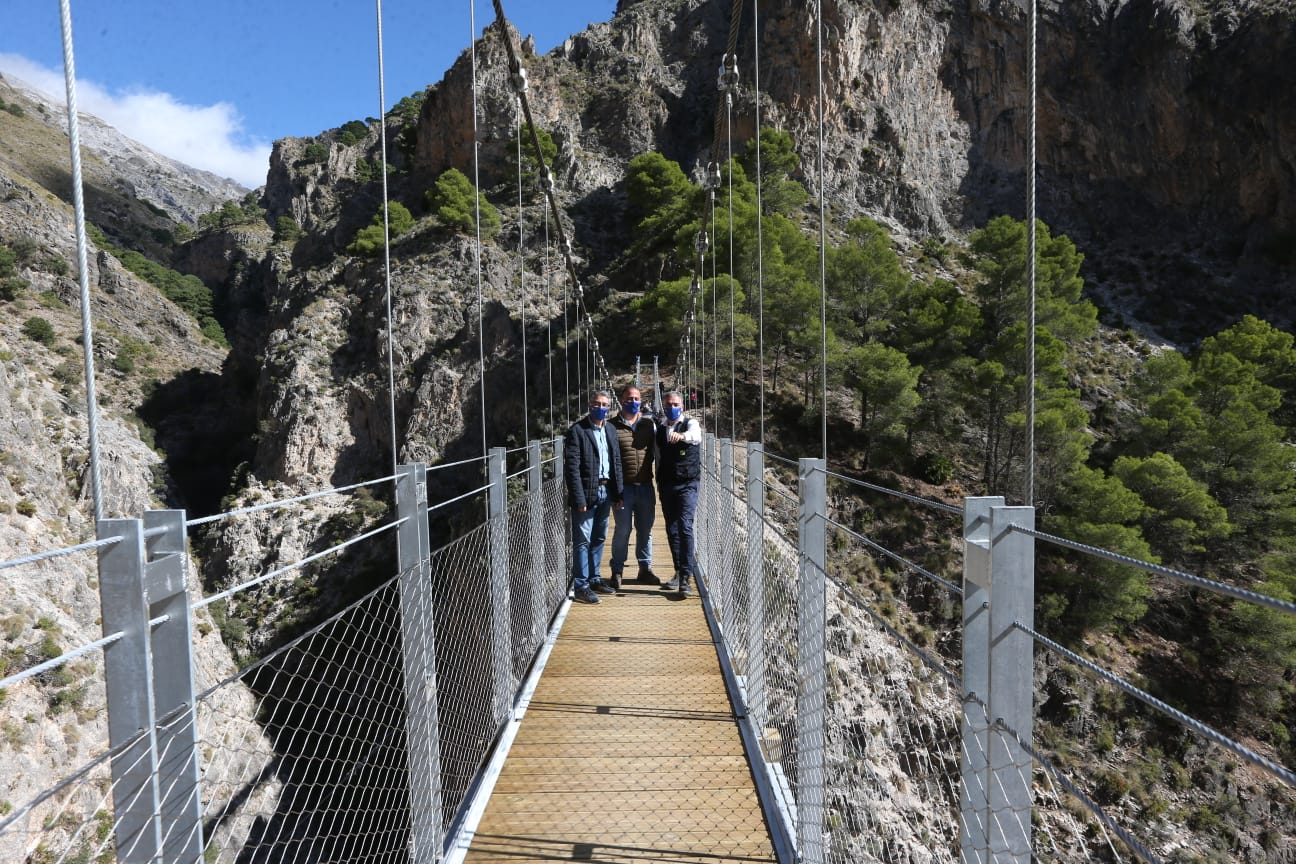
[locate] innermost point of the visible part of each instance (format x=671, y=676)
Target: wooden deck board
x=629, y=751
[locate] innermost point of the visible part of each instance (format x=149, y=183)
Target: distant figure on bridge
x=636, y=434
x=592, y=470
x=679, y=468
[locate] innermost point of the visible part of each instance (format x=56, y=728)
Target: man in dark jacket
x=592, y=469
x=679, y=470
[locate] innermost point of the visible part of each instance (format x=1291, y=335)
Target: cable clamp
x=519, y=80
x=727, y=78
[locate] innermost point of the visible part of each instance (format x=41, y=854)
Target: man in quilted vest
x=635, y=433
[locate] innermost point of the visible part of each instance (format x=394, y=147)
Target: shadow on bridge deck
x=629, y=750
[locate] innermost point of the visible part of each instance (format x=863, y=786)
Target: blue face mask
x=673, y=412
x=631, y=406
x=598, y=412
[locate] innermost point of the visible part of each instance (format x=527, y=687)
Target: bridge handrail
x=1148, y=699
x=950, y=586
x=1162, y=570
x=283, y=502
x=229, y=592
x=60, y=552
x=480, y=489
x=917, y=499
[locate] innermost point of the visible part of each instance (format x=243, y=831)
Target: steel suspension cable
x=83, y=270
x=382, y=142
x=715, y=316
x=548, y=319
x=526, y=417
x=477, y=251
x=760, y=226
x=823, y=239
x=733, y=367
x=1029, y=498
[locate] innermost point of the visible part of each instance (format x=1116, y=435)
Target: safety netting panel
x=303, y=753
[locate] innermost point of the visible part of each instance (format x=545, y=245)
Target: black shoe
x=647, y=577
x=601, y=587
x=672, y=585
x=585, y=595
x=616, y=580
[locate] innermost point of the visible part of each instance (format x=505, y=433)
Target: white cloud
x=209, y=137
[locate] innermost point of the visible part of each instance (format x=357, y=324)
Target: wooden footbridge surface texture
x=629, y=751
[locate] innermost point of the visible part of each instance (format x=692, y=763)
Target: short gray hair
x=670, y=393
x=604, y=393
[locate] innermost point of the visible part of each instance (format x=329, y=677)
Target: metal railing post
x=705, y=547
x=755, y=669
x=167, y=597
x=502, y=648
x=418, y=639
x=974, y=801
x=536, y=544
x=128, y=674
x=811, y=661
x=1012, y=590
x=727, y=571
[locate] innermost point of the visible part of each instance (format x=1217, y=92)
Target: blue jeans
x=679, y=503
x=589, y=530
x=638, y=510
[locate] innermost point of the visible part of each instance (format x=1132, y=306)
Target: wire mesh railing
x=360, y=737
x=927, y=748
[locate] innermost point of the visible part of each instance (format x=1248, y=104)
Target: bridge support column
x=811, y=661
x=998, y=590
x=149, y=676
x=755, y=668
x=418, y=640
x=498, y=564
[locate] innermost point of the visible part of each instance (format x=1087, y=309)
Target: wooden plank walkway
x=629, y=751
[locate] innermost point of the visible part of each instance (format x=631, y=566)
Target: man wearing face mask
x=592, y=470
x=679, y=468
x=635, y=433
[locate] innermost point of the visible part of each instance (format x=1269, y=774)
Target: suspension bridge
x=463, y=710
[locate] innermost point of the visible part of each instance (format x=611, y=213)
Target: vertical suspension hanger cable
x=760, y=223
x=715, y=318
x=519, y=84
x=823, y=240
x=382, y=141
x=83, y=273
x=730, y=80
x=1029, y=492
x=477, y=251
x=548, y=276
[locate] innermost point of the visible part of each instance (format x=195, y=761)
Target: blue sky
x=213, y=84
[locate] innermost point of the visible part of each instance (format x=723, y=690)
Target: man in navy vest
x=637, y=435
x=592, y=471
x=679, y=468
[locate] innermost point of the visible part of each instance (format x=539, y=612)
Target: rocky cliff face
x=56, y=722
x=1166, y=131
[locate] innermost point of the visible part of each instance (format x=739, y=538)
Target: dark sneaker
x=685, y=588
x=672, y=585
x=647, y=577
x=601, y=587
x=585, y=595
x=616, y=580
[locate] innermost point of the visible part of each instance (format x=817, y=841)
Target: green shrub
x=315, y=152
x=352, y=132
x=9, y=287
x=55, y=264
x=452, y=198
x=51, y=300
x=39, y=330
x=287, y=230
x=15, y=109
x=369, y=240
x=26, y=508
x=934, y=468
x=7, y=259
